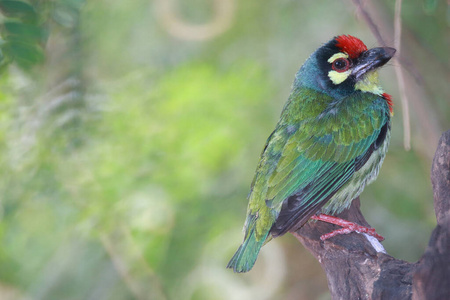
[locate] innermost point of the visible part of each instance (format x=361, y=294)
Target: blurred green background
x=131, y=131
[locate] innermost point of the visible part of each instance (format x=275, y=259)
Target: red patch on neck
x=388, y=99
x=350, y=45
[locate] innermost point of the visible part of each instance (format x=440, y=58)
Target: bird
x=329, y=143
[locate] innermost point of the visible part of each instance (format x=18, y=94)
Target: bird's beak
x=372, y=59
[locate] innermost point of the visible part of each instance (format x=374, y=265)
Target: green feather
x=245, y=257
x=314, y=147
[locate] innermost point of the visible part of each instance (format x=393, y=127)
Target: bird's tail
x=245, y=257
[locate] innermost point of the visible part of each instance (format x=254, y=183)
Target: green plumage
x=325, y=148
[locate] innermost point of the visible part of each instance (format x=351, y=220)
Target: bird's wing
x=303, y=165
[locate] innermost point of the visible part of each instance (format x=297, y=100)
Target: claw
x=348, y=227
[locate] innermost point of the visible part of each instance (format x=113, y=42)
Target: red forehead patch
x=350, y=45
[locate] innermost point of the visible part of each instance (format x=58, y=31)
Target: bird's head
x=344, y=65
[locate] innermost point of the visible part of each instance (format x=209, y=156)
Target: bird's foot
x=348, y=227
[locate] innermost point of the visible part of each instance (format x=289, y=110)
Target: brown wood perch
x=356, y=269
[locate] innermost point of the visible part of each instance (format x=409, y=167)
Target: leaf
x=26, y=55
x=24, y=32
x=21, y=9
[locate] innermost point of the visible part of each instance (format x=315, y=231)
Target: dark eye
x=340, y=65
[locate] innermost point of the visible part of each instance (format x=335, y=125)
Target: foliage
x=22, y=34
x=127, y=153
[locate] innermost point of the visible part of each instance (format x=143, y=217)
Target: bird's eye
x=340, y=65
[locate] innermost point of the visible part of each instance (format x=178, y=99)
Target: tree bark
x=357, y=266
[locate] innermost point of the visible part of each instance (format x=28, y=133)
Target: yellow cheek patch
x=336, y=56
x=337, y=77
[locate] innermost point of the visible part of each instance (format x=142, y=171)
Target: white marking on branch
x=375, y=243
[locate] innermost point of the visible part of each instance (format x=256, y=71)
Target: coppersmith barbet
x=329, y=143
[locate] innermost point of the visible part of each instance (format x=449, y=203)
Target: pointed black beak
x=372, y=59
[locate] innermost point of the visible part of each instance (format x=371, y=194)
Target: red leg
x=348, y=227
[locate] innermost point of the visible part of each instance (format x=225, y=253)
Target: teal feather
x=245, y=257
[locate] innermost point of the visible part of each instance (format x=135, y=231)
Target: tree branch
x=357, y=267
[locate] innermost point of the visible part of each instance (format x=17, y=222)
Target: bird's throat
x=370, y=84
